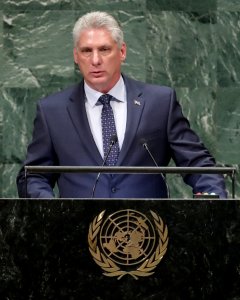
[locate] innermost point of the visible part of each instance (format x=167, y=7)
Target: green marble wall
x=190, y=45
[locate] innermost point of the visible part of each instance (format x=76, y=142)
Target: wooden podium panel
x=44, y=250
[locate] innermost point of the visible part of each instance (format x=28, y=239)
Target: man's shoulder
x=147, y=87
x=62, y=96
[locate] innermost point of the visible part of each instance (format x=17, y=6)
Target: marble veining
x=190, y=45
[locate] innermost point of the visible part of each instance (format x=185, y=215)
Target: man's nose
x=96, y=57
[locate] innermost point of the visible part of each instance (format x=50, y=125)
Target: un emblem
x=127, y=242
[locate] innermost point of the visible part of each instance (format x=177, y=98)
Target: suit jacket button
x=114, y=190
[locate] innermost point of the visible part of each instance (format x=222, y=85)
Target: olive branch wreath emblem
x=111, y=269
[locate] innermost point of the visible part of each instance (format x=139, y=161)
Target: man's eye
x=86, y=50
x=105, y=50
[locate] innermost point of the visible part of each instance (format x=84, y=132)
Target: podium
x=44, y=250
x=133, y=249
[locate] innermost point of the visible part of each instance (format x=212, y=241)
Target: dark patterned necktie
x=108, y=130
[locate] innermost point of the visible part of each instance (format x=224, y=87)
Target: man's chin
x=98, y=84
x=102, y=84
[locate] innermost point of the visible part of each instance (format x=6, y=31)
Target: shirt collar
x=118, y=92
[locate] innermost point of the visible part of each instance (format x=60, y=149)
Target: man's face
x=99, y=58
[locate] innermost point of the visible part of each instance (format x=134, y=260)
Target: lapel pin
x=136, y=102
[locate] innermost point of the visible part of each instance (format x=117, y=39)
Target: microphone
x=145, y=146
x=113, y=141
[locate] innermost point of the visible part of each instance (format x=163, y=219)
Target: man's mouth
x=97, y=73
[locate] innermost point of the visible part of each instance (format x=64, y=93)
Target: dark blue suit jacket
x=62, y=136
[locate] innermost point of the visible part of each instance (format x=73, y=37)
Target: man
x=78, y=127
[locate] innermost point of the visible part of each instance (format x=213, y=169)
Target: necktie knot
x=105, y=99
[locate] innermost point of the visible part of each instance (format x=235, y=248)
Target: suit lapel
x=77, y=112
x=135, y=105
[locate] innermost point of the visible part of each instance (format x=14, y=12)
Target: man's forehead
x=95, y=38
x=96, y=33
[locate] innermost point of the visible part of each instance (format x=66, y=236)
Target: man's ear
x=75, y=55
x=123, y=52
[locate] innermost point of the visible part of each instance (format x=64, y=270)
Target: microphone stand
x=145, y=146
x=114, y=140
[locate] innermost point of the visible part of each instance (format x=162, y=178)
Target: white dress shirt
x=94, y=112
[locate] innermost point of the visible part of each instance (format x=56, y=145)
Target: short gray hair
x=98, y=19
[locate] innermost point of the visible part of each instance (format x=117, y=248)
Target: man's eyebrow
x=84, y=47
x=105, y=46
x=100, y=46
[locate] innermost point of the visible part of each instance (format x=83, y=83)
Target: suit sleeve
x=189, y=151
x=40, y=152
